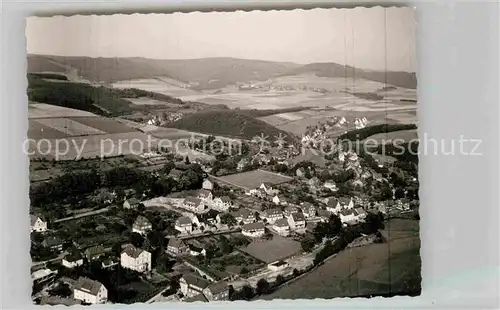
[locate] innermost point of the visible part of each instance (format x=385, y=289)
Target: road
x=74, y=217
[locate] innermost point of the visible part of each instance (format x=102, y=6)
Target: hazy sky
x=374, y=38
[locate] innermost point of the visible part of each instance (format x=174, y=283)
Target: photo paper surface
x=223, y=156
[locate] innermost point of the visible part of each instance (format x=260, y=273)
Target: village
x=222, y=237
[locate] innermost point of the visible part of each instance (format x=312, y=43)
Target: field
x=42, y=110
x=406, y=135
x=269, y=251
x=392, y=267
x=253, y=179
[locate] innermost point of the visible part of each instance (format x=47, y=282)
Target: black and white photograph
x=223, y=156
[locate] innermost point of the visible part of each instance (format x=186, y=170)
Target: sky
x=368, y=38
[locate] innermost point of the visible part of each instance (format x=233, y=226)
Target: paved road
x=74, y=217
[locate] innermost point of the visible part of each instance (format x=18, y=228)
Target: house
x=222, y=204
x=142, y=225
x=253, y=230
x=205, y=195
x=56, y=300
x=177, y=247
x=210, y=218
x=131, y=203
x=72, y=260
x=300, y=172
x=311, y=226
x=242, y=164
x=196, y=298
x=347, y=215
x=277, y=266
x=314, y=182
x=346, y=203
x=184, y=224
x=361, y=213
x=94, y=252
x=282, y=227
x=194, y=204
x=108, y=263
x=37, y=224
x=196, y=251
x=218, y=291
x=333, y=206
x=272, y=215
x=244, y=215
x=308, y=209
x=175, y=174
x=290, y=210
x=297, y=221
x=135, y=259
x=208, y=185
x=192, y=285
x=90, y=291
x=267, y=187
x=279, y=200
x=44, y=276
x=324, y=215
x=330, y=185
x=53, y=242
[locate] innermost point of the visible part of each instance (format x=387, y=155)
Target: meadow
x=253, y=179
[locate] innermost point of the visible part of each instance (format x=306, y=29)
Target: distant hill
x=330, y=69
x=205, y=73
x=230, y=123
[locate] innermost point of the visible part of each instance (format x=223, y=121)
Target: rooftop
x=132, y=251
x=88, y=285
x=253, y=226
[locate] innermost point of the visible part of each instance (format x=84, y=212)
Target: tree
x=136, y=239
x=116, y=249
x=307, y=244
x=263, y=287
x=186, y=160
x=296, y=273
x=280, y=279
x=61, y=290
x=245, y=293
x=228, y=219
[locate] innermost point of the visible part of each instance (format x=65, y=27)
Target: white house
x=205, y=195
x=222, y=204
x=282, y=227
x=253, y=230
x=72, y=260
x=217, y=291
x=196, y=251
x=290, y=210
x=347, y=215
x=90, y=291
x=208, y=185
x=131, y=203
x=330, y=185
x=346, y=203
x=244, y=215
x=308, y=209
x=277, y=266
x=142, y=225
x=177, y=247
x=333, y=206
x=184, y=224
x=272, y=215
x=37, y=224
x=194, y=204
x=360, y=213
x=279, y=200
x=297, y=221
x=136, y=259
x=267, y=187
x=192, y=285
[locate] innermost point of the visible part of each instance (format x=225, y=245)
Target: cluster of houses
x=195, y=288
x=344, y=208
x=205, y=200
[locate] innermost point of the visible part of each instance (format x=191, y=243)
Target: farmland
x=253, y=179
x=392, y=267
x=406, y=135
x=42, y=110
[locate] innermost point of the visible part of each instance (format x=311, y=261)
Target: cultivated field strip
x=70, y=127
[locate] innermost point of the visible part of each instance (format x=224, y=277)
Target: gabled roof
x=360, y=211
x=52, y=241
x=226, y=199
x=291, y=209
x=253, y=226
x=273, y=211
x=332, y=202
x=132, y=201
x=199, y=297
x=141, y=221
x=298, y=217
x=283, y=222
x=194, y=280
x=175, y=173
x=183, y=220
x=218, y=287
x=244, y=213
x=324, y=213
x=34, y=218
x=204, y=193
x=344, y=200
x=88, y=285
x=132, y=251
x=176, y=243
x=98, y=249
x=73, y=257
x=347, y=212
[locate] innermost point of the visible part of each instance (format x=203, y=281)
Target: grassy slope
x=232, y=123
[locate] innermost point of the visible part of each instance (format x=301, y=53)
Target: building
x=94, y=252
x=253, y=230
x=142, y=225
x=347, y=215
x=43, y=276
x=267, y=188
x=208, y=185
x=279, y=200
x=333, y=206
x=37, y=224
x=72, y=260
x=330, y=185
x=192, y=285
x=108, y=263
x=308, y=209
x=194, y=204
x=297, y=221
x=272, y=215
x=290, y=210
x=244, y=215
x=135, y=258
x=175, y=174
x=131, y=203
x=361, y=213
x=277, y=266
x=196, y=298
x=346, y=203
x=184, y=224
x=205, y=195
x=177, y=247
x=218, y=291
x=282, y=227
x=53, y=242
x=324, y=215
x=222, y=204
x=196, y=251
x=55, y=301
x=90, y=291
